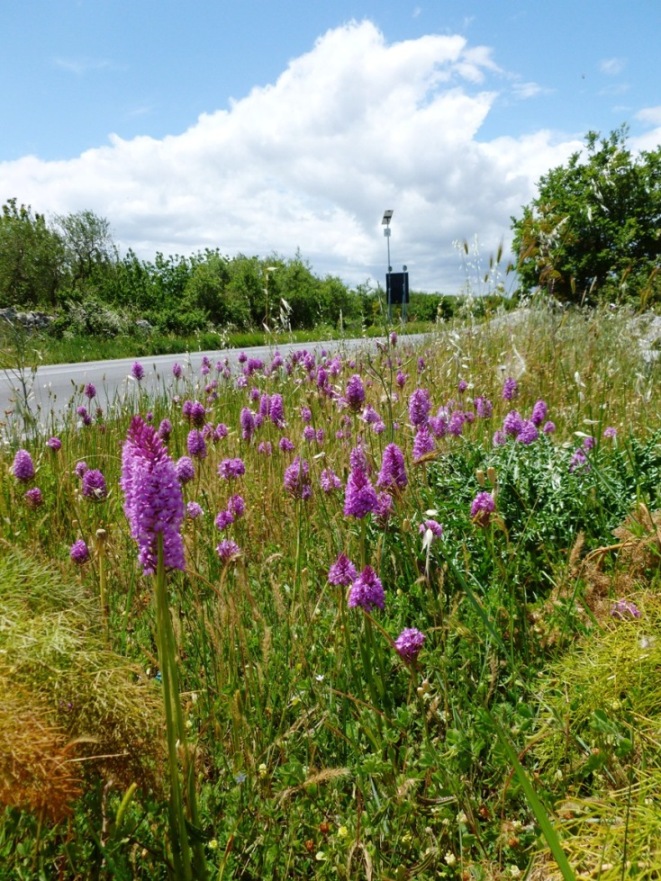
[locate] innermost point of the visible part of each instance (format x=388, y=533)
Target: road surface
x=52, y=389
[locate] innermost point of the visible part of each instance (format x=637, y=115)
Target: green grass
x=41, y=348
x=319, y=751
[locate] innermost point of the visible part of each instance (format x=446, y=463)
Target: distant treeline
x=71, y=269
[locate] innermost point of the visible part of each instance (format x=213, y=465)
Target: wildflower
x=276, y=411
x=342, y=572
x=23, y=467
x=223, y=520
x=231, y=468
x=306, y=415
x=510, y=389
x=588, y=442
x=439, y=424
x=513, y=423
x=286, y=445
x=94, y=485
x=236, y=506
x=610, y=432
x=34, y=497
x=80, y=469
x=359, y=496
x=177, y=370
x=549, y=427
x=367, y=591
x=483, y=407
x=393, y=469
x=401, y=378
x=358, y=459
x=579, y=462
x=499, y=438
x=355, y=393
x=153, y=498
x=54, y=444
x=184, y=469
x=79, y=552
x=194, y=412
x=539, y=412
x=423, y=443
x=265, y=448
x=196, y=445
x=220, y=431
x=194, y=510
x=433, y=527
x=409, y=643
x=329, y=481
x=456, y=423
x=137, y=371
x=384, y=508
x=90, y=391
x=309, y=434
x=393, y=338
x=247, y=423
x=482, y=508
x=297, y=479
x=528, y=433
x=228, y=550
x=419, y=406
x=462, y=386
x=165, y=430
x=624, y=609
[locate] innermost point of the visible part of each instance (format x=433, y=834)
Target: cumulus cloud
x=353, y=126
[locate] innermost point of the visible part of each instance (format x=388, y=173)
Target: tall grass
x=320, y=750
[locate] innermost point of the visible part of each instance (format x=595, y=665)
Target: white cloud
x=354, y=126
x=81, y=66
x=650, y=115
x=612, y=66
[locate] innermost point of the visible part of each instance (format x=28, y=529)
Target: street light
x=387, y=217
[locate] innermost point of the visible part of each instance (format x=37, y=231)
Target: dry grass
x=80, y=708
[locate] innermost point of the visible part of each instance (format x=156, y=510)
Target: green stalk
x=165, y=639
x=538, y=808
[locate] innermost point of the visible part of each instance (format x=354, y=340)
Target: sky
x=262, y=127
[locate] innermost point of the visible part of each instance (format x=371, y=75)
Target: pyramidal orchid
x=154, y=502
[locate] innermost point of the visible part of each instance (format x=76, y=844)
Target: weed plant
x=342, y=711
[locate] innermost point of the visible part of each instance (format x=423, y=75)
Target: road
x=52, y=389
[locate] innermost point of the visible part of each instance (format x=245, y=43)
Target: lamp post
x=387, y=217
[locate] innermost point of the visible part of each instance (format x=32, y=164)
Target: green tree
x=88, y=246
x=594, y=228
x=31, y=258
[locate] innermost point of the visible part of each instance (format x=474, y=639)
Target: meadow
x=391, y=615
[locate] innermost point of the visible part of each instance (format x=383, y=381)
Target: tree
x=594, y=228
x=31, y=258
x=88, y=245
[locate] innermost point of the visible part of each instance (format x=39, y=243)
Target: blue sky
x=263, y=127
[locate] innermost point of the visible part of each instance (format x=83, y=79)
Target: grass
x=35, y=348
x=319, y=751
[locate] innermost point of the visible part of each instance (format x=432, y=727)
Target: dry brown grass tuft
x=36, y=771
x=72, y=709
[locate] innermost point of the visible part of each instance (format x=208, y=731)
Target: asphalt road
x=53, y=388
